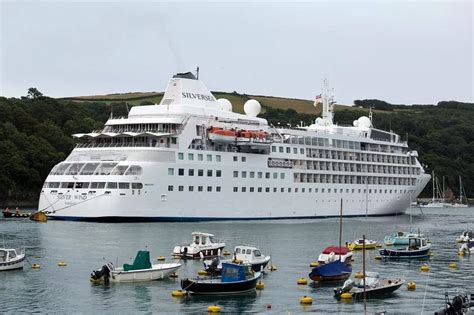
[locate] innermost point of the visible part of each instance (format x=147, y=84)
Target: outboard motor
x=458, y=306
x=103, y=273
x=348, y=285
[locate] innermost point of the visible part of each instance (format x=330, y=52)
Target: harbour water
x=292, y=245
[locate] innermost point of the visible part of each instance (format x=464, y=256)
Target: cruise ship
x=191, y=158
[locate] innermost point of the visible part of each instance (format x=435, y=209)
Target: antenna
x=197, y=73
x=126, y=105
x=370, y=115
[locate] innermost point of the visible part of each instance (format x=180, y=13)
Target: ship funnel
x=186, y=89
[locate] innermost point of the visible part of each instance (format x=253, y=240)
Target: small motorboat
x=242, y=254
x=11, y=259
x=204, y=245
x=140, y=270
x=418, y=247
x=399, y=238
x=331, y=271
x=467, y=248
x=234, y=279
x=374, y=286
x=333, y=253
x=7, y=213
x=460, y=304
x=359, y=244
x=465, y=237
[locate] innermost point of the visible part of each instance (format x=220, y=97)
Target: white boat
x=359, y=244
x=465, y=237
x=461, y=203
x=400, y=238
x=140, y=270
x=160, y=164
x=438, y=200
x=204, y=245
x=332, y=253
x=244, y=254
x=11, y=259
x=467, y=248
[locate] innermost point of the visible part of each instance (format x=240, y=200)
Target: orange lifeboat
x=222, y=135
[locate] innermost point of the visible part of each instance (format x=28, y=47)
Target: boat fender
x=201, y=255
x=214, y=309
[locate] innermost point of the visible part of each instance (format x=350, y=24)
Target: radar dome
x=364, y=122
x=355, y=123
x=225, y=104
x=318, y=121
x=252, y=108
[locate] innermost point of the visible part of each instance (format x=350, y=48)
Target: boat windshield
x=211, y=239
x=257, y=253
x=3, y=255
x=196, y=239
x=11, y=254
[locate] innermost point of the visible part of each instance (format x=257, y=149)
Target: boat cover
x=142, y=261
x=336, y=250
x=232, y=272
x=332, y=269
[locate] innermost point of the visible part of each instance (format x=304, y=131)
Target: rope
x=78, y=203
x=424, y=296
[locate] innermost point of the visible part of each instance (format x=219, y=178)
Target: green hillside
x=35, y=132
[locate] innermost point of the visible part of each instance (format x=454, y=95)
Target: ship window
x=267, y=175
x=252, y=174
x=191, y=156
x=275, y=175
x=89, y=169
x=267, y=189
x=282, y=189
x=180, y=188
x=124, y=185
x=274, y=189
x=370, y=191
x=282, y=175
x=296, y=190
x=322, y=190
x=259, y=189
x=218, y=188
x=97, y=185
x=218, y=173
x=137, y=185
x=316, y=190
x=244, y=189
x=236, y=189
x=301, y=151
x=171, y=171
x=191, y=188
x=199, y=188
x=288, y=150
x=111, y=185
x=191, y=172
x=60, y=169
x=80, y=185
x=235, y=158
x=218, y=158
x=196, y=239
x=74, y=168
x=180, y=171
x=252, y=189
x=273, y=149
x=260, y=174
x=53, y=185
x=134, y=170
x=310, y=190
x=170, y=188
x=244, y=159
x=67, y=185
x=200, y=172
x=302, y=190
x=280, y=149
x=209, y=173
x=244, y=174
x=119, y=170
x=236, y=173
x=209, y=188
x=209, y=158
x=105, y=168
x=180, y=156
x=295, y=150
x=289, y=190
x=200, y=157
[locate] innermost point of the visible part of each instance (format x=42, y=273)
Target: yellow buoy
x=272, y=268
x=174, y=275
x=359, y=275
x=411, y=286
x=226, y=253
x=306, y=300
x=260, y=286
x=161, y=258
x=461, y=253
x=35, y=266
x=314, y=264
x=62, y=264
x=378, y=257
x=214, y=309
x=178, y=293
x=302, y=281
x=453, y=265
x=425, y=268
x=202, y=272
x=346, y=296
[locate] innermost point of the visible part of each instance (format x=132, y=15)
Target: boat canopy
x=232, y=272
x=142, y=261
x=336, y=250
x=332, y=269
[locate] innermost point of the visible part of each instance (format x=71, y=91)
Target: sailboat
x=334, y=270
x=460, y=204
x=438, y=199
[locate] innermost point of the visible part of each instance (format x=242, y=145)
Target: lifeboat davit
x=222, y=135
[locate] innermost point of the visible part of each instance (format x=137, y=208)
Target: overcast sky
x=412, y=52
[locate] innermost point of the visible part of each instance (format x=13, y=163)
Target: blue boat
x=333, y=271
x=418, y=247
x=400, y=238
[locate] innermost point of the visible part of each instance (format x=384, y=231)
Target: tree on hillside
x=33, y=93
x=375, y=104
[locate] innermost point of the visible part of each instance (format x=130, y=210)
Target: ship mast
x=328, y=105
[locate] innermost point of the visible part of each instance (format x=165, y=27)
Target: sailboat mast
x=363, y=272
x=443, y=193
x=340, y=233
x=433, y=180
x=460, y=189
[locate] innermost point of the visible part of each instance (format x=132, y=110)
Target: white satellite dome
x=252, y=108
x=355, y=123
x=225, y=104
x=364, y=122
x=318, y=121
